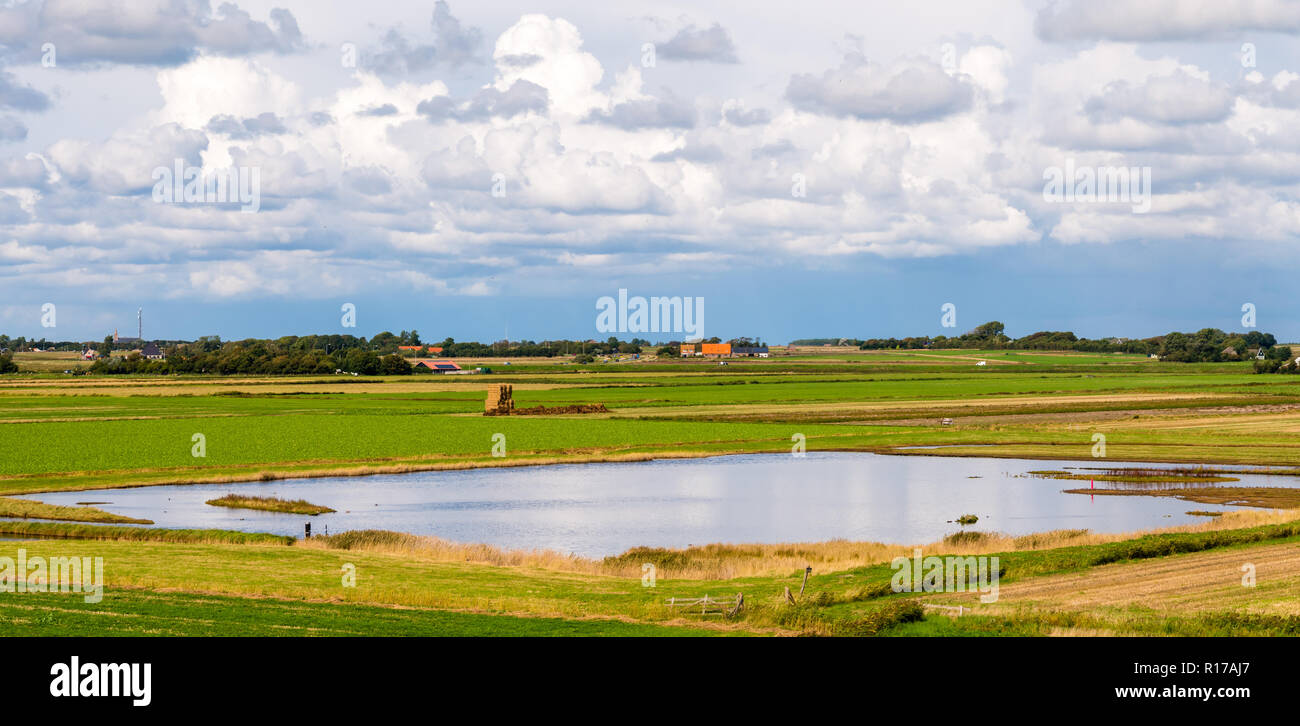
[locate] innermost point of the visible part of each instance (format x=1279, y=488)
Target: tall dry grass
x=728, y=561
x=441, y=550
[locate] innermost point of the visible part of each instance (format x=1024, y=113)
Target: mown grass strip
x=153, y=614
x=30, y=509
x=62, y=530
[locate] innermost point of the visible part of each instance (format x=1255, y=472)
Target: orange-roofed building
x=430, y=348
x=437, y=366
x=715, y=348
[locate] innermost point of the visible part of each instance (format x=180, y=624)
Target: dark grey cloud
x=774, y=149
x=95, y=32
x=1266, y=94
x=1177, y=98
x=646, y=114
x=522, y=97
x=260, y=125
x=746, y=117
x=458, y=167
x=26, y=172
x=1163, y=20
x=368, y=180
x=11, y=210
x=18, y=97
x=452, y=45
x=387, y=109
x=11, y=129
x=706, y=154
x=1202, y=140
x=522, y=60
x=699, y=44
x=915, y=91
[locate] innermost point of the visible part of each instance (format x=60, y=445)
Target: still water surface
x=602, y=509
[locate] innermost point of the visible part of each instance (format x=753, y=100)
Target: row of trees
x=1205, y=345
x=261, y=357
x=544, y=349
x=322, y=354
x=21, y=344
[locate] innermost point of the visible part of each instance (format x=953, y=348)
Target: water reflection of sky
x=601, y=509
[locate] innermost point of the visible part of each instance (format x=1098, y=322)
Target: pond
x=602, y=509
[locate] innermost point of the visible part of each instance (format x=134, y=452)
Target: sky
x=491, y=170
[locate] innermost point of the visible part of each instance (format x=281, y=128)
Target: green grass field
x=87, y=432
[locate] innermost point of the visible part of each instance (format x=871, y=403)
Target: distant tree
x=394, y=365
x=1256, y=339
x=387, y=342
x=360, y=361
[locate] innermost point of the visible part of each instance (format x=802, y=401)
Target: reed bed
x=441, y=550
x=1136, y=476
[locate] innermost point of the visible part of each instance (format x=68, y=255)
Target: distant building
x=417, y=348
x=436, y=366
x=723, y=350
x=152, y=352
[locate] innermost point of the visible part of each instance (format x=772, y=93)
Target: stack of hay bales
x=499, y=400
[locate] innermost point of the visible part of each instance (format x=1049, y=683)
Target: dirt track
x=1195, y=582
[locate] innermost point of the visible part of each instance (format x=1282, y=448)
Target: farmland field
x=60, y=433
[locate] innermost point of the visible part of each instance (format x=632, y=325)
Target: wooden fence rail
x=710, y=605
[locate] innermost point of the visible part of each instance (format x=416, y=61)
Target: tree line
x=1205, y=345
x=325, y=354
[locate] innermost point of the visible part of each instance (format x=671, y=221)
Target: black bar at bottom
x=301, y=677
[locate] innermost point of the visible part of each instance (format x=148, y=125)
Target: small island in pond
x=270, y=504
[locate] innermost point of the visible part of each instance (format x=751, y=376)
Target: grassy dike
x=211, y=583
